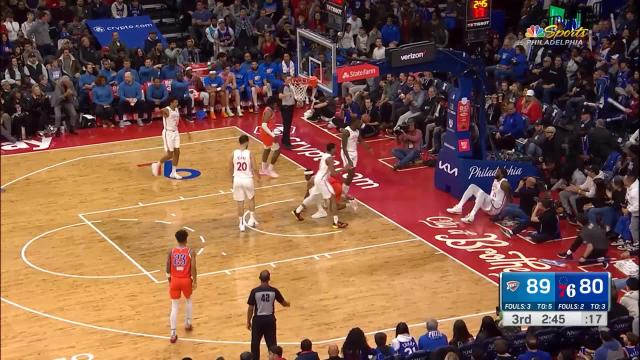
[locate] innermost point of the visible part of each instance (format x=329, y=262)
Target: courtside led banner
x=357, y=72
x=132, y=30
x=411, y=54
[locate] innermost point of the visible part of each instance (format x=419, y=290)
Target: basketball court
x=85, y=233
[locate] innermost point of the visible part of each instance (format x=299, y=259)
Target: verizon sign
x=411, y=54
x=357, y=72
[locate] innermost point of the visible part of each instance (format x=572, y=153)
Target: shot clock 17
x=555, y=299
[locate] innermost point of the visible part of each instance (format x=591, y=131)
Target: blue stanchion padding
x=193, y=173
x=454, y=174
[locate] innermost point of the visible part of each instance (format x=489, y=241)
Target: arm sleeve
x=252, y=298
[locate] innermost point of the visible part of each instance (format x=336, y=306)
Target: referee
x=261, y=319
x=288, y=101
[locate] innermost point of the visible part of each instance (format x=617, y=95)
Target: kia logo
x=447, y=168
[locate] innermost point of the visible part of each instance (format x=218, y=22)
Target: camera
x=402, y=129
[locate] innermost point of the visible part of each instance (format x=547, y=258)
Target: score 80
x=541, y=286
x=585, y=287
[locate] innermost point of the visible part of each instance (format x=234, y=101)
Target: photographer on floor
x=543, y=219
x=323, y=106
x=410, y=140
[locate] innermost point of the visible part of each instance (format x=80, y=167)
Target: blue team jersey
x=215, y=82
x=633, y=352
x=269, y=70
x=406, y=346
x=241, y=77
x=256, y=76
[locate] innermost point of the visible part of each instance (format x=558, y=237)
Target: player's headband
x=308, y=172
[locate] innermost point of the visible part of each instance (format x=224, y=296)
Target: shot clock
x=554, y=299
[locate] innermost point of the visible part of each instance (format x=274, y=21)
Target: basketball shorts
x=243, y=189
x=266, y=139
x=322, y=188
x=180, y=286
x=352, y=155
x=171, y=140
x=336, y=185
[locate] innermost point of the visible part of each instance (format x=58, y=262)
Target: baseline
x=225, y=342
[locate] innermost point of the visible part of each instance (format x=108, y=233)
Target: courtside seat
x=621, y=325
x=489, y=347
x=517, y=343
x=548, y=340
x=572, y=336
x=467, y=351
x=419, y=355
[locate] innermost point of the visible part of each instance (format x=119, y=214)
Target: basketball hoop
x=300, y=84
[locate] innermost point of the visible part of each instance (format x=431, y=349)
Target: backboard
x=316, y=56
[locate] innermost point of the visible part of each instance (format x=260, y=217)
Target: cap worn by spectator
x=531, y=92
x=538, y=123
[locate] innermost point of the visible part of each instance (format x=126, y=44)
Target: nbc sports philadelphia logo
x=560, y=34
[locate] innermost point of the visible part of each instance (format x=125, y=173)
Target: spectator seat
x=548, y=340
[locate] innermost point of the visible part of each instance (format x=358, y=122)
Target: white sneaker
x=230, y=113
x=252, y=222
x=155, y=168
x=263, y=172
x=319, y=214
x=239, y=112
x=174, y=175
x=241, y=226
x=272, y=173
x=455, y=210
x=467, y=219
x=354, y=204
x=140, y=123
x=507, y=232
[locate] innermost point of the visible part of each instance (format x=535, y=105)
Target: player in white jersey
x=171, y=139
x=322, y=188
x=491, y=203
x=243, y=171
x=349, y=154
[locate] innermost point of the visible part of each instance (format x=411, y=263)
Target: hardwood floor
x=96, y=280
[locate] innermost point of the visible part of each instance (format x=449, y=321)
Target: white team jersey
x=242, y=164
x=497, y=194
x=171, y=122
x=352, y=141
x=323, y=171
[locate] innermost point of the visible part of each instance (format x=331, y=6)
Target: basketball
x=366, y=118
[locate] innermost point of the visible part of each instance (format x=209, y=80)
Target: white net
x=300, y=91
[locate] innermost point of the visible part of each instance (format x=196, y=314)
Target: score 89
x=535, y=286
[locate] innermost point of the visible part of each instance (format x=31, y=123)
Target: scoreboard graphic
x=555, y=299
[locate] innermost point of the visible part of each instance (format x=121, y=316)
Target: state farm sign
x=357, y=72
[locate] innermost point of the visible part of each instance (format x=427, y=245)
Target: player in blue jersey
x=272, y=72
x=257, y=84
x=215, y=87
x=404, y=344
x=231, y=87
x=241, y=79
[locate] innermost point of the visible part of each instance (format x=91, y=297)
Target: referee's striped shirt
x=263, y=299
